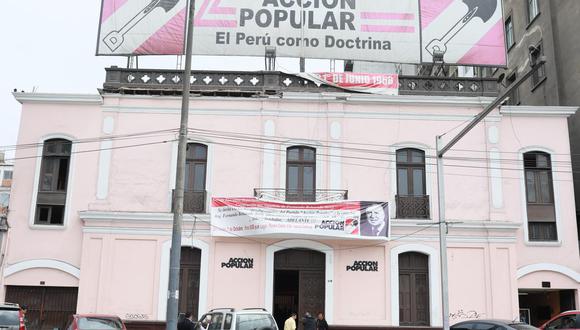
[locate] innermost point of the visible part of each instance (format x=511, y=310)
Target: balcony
x=193, y=201
x=264, y=83
x=294, y=195
x=412, y=207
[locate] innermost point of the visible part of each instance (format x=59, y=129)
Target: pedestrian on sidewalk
x=290, y=323
x=308, y=322
x=321, y=323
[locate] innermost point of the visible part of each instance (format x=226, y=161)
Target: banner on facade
x=384, y=84
x=400, y=31
x=239, y=217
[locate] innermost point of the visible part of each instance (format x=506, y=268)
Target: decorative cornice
x=454, y=101
x=58, y=98
x=468, y=225
x=540, y=111
x=140, y=217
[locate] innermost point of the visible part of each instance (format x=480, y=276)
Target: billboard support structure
x=175, y=253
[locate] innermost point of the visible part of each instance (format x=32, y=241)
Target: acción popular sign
x=401, y=31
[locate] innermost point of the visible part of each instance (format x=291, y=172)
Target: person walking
x=290, y=323
x=308, y=322
x=321, y=323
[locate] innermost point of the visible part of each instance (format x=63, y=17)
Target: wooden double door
x=189, y=281
x=48, y=307
x=413, y=289
x=299, y=284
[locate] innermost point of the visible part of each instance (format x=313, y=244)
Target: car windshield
x=254, y=322
x=522, y=326
x=101, y=323
x=9, y=317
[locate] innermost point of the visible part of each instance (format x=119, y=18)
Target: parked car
x=565, y=320
x=492, y=325
x=11, y=317
x=94, y=322
x=244, y=319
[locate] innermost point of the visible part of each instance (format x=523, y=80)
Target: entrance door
x=413, y=289
x=48, y=307
x=299, y=277
x=189, y=281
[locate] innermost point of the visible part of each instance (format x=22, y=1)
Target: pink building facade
x=90, y=221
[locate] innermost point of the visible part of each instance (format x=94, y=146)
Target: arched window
x=412, y=199
x=301, y=174
x=414, y=289
x=53, y=183
x=540, y=197
x=195, y=177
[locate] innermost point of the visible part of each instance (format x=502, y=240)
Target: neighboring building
x=6, y=170
x=552, y=28
x=91, y=222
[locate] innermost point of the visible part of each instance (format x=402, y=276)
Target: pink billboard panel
x=464, y=32
x=142, y=27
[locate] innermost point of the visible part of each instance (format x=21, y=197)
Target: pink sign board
x=468, y=32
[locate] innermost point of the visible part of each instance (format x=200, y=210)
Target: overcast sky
x=49, y=46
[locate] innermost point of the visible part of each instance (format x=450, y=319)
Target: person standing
x=321, y=323
x=290, y=323
x=308, y=322
x=186, y=323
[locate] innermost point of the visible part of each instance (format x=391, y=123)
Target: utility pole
x=441, y=150
x=175, y=253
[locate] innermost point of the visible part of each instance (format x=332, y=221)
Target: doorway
x=48, y=307
x=189, y=280
x=539, y=305
x=299, y=283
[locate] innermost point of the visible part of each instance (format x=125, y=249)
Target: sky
x=49, y=47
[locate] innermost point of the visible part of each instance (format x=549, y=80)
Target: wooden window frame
x=301, y=163
x=53, y=196
x=541, y=212
x=410, y=166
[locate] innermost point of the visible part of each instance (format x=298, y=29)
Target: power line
x=389, y=160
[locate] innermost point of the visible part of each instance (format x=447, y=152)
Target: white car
x=243, y=319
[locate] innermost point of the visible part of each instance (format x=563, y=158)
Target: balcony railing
x=295, y=195
x=412, y=207
x=193, y=201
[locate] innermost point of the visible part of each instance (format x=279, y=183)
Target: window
x=7, y=175
x=509, y=33
x=564, y=322
x=540, y=197
x=412, y=201
x=301, y=174
x=533, y=10
x=195, y=177
x=514, y=97
x=228, y=322
x=539, y=74
x=254, y=321
x=54, y=169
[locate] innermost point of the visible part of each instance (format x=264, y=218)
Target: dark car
x=565, y=320
x=492, y=325
x=94, y=322
x=11, y=317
